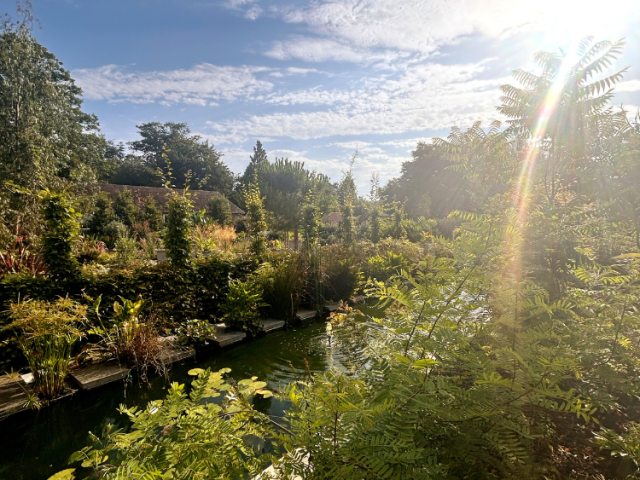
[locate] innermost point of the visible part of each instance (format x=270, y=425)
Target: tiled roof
x=200, y=198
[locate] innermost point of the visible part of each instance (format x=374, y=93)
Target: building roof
x=333, y=218
x=200, y=198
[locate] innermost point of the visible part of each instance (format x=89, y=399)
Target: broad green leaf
x=425, y=362
x=64, y=475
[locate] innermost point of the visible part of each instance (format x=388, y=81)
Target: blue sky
x=316, y=80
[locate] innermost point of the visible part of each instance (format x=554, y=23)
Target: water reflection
x=35, y=445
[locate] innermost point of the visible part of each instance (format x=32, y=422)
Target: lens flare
x=522, y=191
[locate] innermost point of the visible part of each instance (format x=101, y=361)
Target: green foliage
x=178, y=229
x=348, y=230
x=219, y=210
x=47, y=333
x=285, y=186
x=382, y=268
x=257, y=223
x=61, y=234
x=125, y=209
x=195, y=332
x=375, y=225
x=240, y=307
x=186, y=436
x=310, y=220
x=21, y=257
x=47, y=141
x=397, y=230
x=152, y=214
x=282, y=279
x=256, y=160
x=342, y=274
x=190, y=158
x=417, y=230
x=102, y=216
x=126, y=251
x=132, y=340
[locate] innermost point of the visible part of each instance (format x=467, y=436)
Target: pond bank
x=37, y=444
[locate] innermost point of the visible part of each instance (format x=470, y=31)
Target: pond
x=35, y=445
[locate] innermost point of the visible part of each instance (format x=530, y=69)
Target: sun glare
x=590, y=17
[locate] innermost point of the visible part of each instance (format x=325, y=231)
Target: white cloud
x=201, y=85
x=253, y=13
x=425, y=25
x=428, y=96
x=410, y=143
x=314, y=50
x=628, y=86
x=249, y=7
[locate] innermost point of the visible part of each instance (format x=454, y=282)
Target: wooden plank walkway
x=224, y=339
x=13, y=395
x=331, y=307
x=93, y=376
x=271, y=325
x=171, y=353
x=303, y=315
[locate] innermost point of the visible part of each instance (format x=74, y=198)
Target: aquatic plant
x=47, y=332
x=240, y=307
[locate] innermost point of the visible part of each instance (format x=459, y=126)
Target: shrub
x=348, y=231
x=219, y=210
x=195, y=332
x=241, y=305
x=20, y=258
x=132, y=341
x=177, y=236
x=342, y=274
x=149, y=245
x=381, y=268
x=417, y=229
x=102, y=215
x=89, y=250
x=152, y=214
x=257, y=223
x=141, y=230
x=375, y=226
x=125, y=209
x=208, y=237
x=61, y=235
x=47, y=333
x=216, y=443
x=282, y=279
x=126, y=251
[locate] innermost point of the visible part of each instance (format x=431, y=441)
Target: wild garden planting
x=484, y=303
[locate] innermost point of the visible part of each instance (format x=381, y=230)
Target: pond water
x=35, y=445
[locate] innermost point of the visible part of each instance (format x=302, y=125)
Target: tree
x=310, y=220
x=565, y=136
x=347, y=193
x=46, y=140
x=102, y=215
x=61, y=233
x=487, y=161
x=125, y=209
x=375, y=225
x=257, y=223
x=374, y=201
x=258, y=158
x=285, y=184
x=177, y=235
x=428, y=186
x=133, y=170
x=186, y=153
x=152, y=214
x=219, y=210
